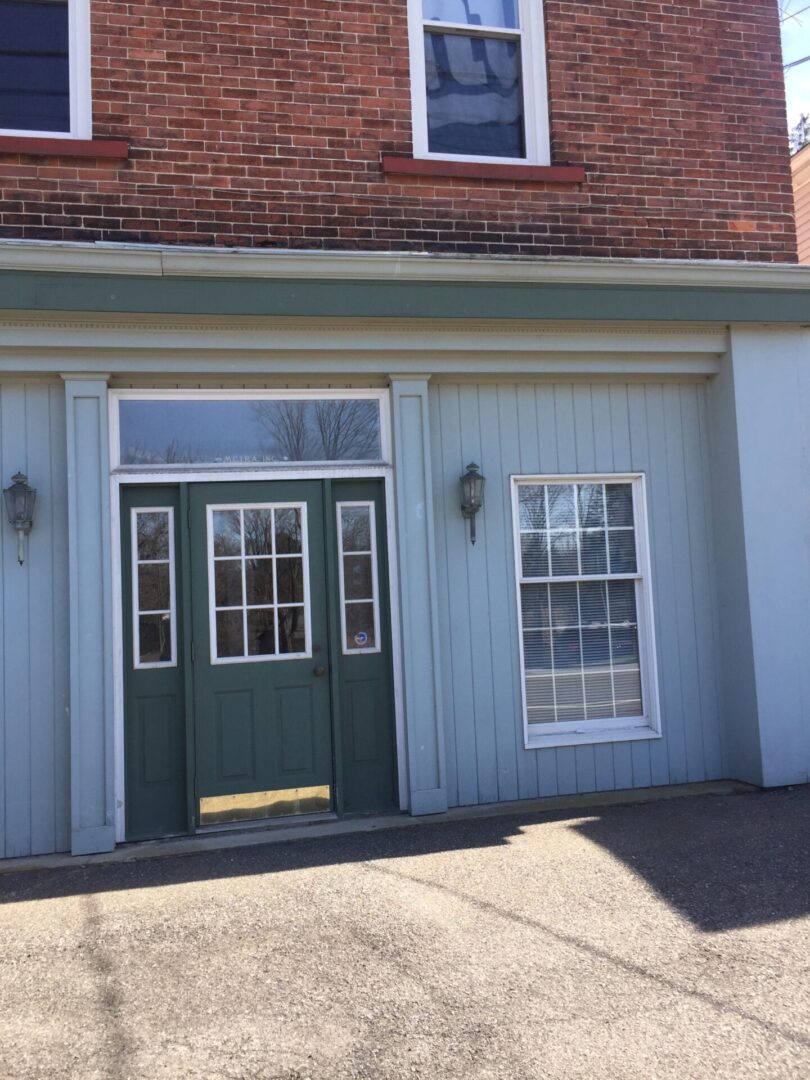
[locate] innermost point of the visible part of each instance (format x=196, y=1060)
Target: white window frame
x=534, y=84
x=79, y=80
x=138, y=664
x=363, y=505
x=612, y=729
x=244, y=607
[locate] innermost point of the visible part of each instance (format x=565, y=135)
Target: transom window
x=258, y=582
x=584, y=607
x=478, y=80
x=45, y=68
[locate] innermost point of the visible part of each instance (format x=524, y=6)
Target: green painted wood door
x=262, y=708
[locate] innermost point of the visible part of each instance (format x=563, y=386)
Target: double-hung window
x=478, y=79
x=584, y=608
x=45, y=68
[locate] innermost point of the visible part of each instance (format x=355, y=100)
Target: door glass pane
x=473, y=12
x=34, y=66
x=474, y=96
x=153, y=587
x=357, y=552
x=259, y=607
x=233, y=431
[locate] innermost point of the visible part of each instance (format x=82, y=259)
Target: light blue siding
x=656, y=428
x=34, y=726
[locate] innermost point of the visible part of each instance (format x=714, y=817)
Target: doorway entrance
x=257, y=653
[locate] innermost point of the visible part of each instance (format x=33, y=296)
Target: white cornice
x=164, y=261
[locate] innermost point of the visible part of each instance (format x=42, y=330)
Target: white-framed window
x=478, y=80
x=359, y=588
x=154, y=604
x=258, y=582
x=587, y=649
x=45, y=68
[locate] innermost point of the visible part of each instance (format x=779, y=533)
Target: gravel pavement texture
x=670, y=939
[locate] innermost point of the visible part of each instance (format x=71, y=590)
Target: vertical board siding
x=576, y=427
x=34, y=735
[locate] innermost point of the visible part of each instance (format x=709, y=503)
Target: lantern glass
x=472, y=490
x=20, y=499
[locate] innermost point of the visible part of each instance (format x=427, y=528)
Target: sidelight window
x=359, y=590
x=45, y=68
x=587, y=654
x=478, y=80
x=258, y=582
x=153, y=588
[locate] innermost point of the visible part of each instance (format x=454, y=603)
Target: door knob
x=319, y=671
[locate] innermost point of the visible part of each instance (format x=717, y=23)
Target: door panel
x=365, y=681
x=154, y=700
x=262, y=702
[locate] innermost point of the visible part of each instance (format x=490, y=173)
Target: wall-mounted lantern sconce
x=20, y=499
x=472, y=495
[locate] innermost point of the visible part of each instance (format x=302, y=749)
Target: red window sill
x=87, y=148
x=550, y=174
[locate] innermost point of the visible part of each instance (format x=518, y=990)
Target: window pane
x=360, y=626
x=534, y=554
x=619, y=504
x=288, y=532
x=595, y=648
x=539, y=692
x=228, y=583
x=290, y=580
x=229, y=634
x=258, y=532
x=594, y=553
x=153, y=587
x=153, y=534
x=261, y=632
x=34, y=69
x=532, y=506
x=259, y=581
x=537, y=652
x=622, y=597
x=357, y=582
x=534, y=606
x=291, y=630
x=155, y=639
x=566, y=650
x=564, y=555
x=227, y=532
x=564, y=605
x=356, y=528
x=561, y=513
x=232, y=432
x=622, y=544
x=599, y=695
x=591, y=506
x=473, y=12
x=474, y=97
x=593, y=603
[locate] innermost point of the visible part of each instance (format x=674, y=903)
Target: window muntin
x=258, y=589
x=478, y=80
x=359, y=589
x=45, y=68
x=154, y=608
x=583, y=602
x=231, y=431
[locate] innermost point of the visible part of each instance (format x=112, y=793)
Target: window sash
x=530, y=38
x=79, y=80
x=571, y=731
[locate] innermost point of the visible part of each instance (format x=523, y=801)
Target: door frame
x=177, y=475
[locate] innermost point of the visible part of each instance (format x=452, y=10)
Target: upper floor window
x=45, y=68
x=478, y=79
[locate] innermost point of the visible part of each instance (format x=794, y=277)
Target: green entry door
x=262, y=708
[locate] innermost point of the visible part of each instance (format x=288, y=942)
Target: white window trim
x=138, y=664
x=613, y=729
x=534, y=85
x=79, y=79
x=364, y=505
x=264, y=658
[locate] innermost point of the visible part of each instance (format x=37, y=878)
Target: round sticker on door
x=361, y=639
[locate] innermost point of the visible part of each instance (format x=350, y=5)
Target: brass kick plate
x=253, y=805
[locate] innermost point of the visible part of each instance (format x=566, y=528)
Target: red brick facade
x=264, y=124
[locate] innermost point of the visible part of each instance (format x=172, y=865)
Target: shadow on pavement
x=720, y=861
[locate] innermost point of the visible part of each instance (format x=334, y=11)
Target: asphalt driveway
x=663, y=940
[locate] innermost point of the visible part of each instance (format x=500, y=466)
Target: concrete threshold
x=291, y=830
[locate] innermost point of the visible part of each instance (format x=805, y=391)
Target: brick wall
x=264, y=123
